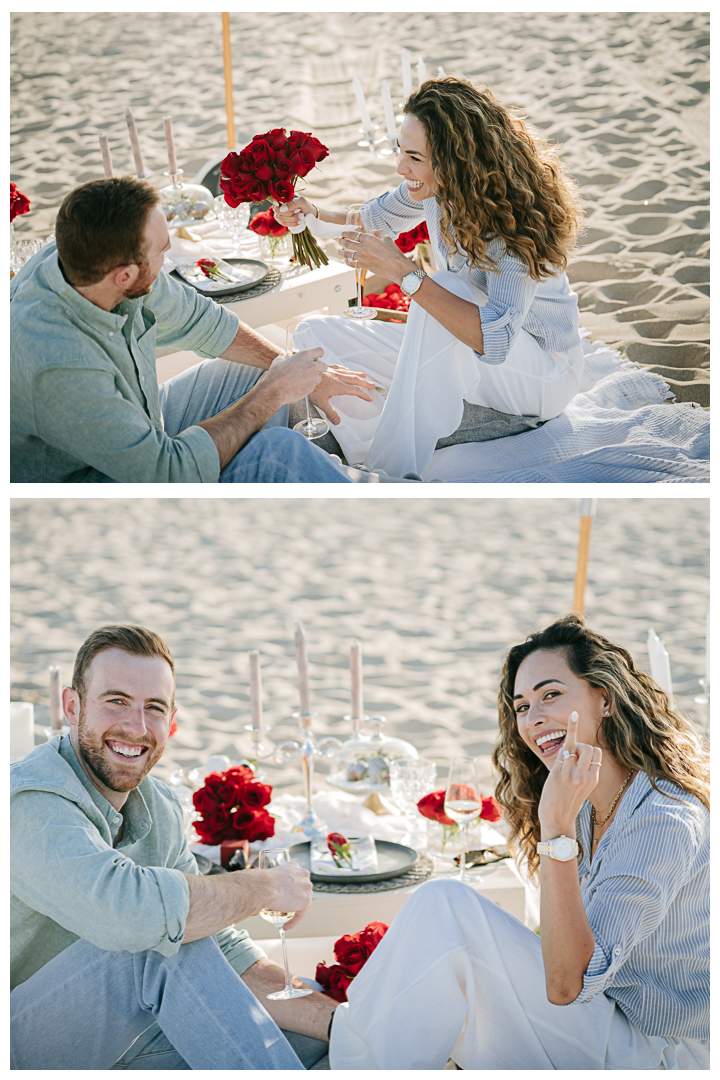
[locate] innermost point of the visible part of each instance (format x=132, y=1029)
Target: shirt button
x=617, y=950
x=111, y=334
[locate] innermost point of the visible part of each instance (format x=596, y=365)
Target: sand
x=625, y=93
x=436, y=590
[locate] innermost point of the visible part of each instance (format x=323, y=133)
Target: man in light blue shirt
x=86, y=317
x=122, y=956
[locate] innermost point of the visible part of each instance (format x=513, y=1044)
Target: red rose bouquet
x=408, y=241
x=269, y=168
x=19, y=203
x=232, y=805
x=351, y=953
x=432, y=806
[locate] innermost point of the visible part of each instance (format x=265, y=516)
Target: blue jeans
x=275, y=455
x=86, y=1007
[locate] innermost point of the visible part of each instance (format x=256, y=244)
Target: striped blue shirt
x=547, y=309
x=647, y=899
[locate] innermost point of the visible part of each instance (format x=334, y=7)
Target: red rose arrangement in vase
x=19, y=203
x=266, y=224
x=269, y=167
x=408, y=241
x=432, y=806
x=392, y=298
x=232, y=805
x=351, y=952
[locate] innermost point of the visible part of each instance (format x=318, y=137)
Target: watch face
x=564, y=848
x=411, y=282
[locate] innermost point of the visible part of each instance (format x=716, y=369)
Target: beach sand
x=625, y=93
x=436, y=591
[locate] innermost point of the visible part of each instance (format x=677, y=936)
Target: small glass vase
x=276, y=250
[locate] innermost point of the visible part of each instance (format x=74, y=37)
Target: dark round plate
x=393, y=859
x=257, y=270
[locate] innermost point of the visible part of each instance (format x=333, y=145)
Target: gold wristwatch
x=412, y=282
x=562, y=848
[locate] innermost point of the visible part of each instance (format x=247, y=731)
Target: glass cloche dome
x=363, y=762
x=183, y=203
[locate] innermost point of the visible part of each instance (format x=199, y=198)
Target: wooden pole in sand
x=227, y=63
x=587, y=513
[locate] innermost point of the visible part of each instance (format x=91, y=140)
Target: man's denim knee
x=281, y=456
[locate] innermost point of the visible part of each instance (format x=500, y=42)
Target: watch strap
x=419, y=274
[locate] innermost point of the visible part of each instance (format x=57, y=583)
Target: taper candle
x=421, y=70
x=302, y=665
x=106, y=159
x=255, y=690
x=56, y=709
x=362, y=105
x=389, y=111
x=356, y=687
x=170, y=143
x=134, y=142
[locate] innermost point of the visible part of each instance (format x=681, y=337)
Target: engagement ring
x=567, y=754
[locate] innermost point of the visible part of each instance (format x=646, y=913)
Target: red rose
x=490, y=809
x=226, y=793
x=316, y=148
x=204, y=802
x=239, y=775
x=336, y=838
x=409, y=240
x=372, y=935
x=297, y=139
x=19, y=203
x=266, y=224
x=282, y=190
x=259, y=152
x=283, y=168
x=302, y=161
x=254, y=795
x=431, y=806
x=253, y=825
x=275, y=138
x=334, y=980
x=351, y=953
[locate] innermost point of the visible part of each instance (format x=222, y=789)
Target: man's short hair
x=101, y=225
x=135, y=640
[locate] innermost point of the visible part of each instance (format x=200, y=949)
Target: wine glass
x=462, y=803
x=354, y=220
x=410, y=780
x=267, y=861
x=299, y=336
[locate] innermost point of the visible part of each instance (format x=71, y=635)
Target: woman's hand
x=291, y=216
x=376, y=252
x=569, y=783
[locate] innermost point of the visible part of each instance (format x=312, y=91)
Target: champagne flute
x=267, y=861
x=354, y=220
x=462, y=803
x=299, y=336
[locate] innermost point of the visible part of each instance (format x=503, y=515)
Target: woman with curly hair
x=497, y=324
x=605, y=791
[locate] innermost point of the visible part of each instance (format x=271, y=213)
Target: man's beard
x=143, y=283
x=113, y=776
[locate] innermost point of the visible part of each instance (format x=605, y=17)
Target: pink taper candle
x=255, y=690
x=106, y=159
x=170, y=143
x=356, y=687
x=134, y=142
x=56, y=709
x=302, y=664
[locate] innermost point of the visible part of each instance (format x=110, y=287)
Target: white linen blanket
x=615, y=431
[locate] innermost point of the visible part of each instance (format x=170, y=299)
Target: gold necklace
x=613, y=804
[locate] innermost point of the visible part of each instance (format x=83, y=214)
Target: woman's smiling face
x=415, y=160
x=546, y=692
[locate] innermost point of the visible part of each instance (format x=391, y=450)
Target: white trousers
x=427, y=374
x=456, y=976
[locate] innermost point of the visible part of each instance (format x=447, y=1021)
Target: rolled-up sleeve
x=70, y=874
x=627, y=905
x=80, y=411
x=394, y=212
x=511, y=291
x=190, y=320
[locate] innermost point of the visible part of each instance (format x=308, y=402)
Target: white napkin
x=362, y=851
x=213, y=242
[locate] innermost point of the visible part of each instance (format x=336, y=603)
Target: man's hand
x=287, y=888
x=337, y=381
x=292, y=377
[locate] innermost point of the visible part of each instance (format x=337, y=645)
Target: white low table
x=345, y=913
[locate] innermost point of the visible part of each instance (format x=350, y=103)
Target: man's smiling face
x=124, y=720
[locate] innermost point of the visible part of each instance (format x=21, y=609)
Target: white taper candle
x=56, y=709
x=302, y=666
x=362, y=105
x=356, y=686
x=106, y=159
x=134, y=142
x=406, y=74
x=707, y=648
x=421, y=70
x=22, y=731
x=389, y=111
x=170, y=143
x=255, y=690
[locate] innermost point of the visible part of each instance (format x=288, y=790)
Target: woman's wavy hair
x=642, y=732
x=496, y=177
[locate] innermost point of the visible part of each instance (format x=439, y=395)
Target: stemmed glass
x=410, y=780
x=299, y=336
x=267, y=861
x=354, y=220
x=233, y=218
x=462, y=803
